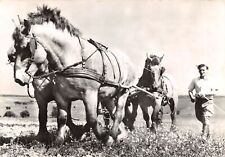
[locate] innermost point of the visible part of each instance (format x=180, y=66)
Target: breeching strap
x=149, y=93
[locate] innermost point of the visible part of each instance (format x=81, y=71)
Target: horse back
x=169, y=86
x=114, y=65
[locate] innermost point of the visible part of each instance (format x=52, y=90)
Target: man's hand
x=192, y=97
x=199, y=95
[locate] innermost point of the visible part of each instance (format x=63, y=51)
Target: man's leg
x=206, y=127
x=199, y=112
x=200, y=116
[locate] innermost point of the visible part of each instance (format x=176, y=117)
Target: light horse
x=79, y=70
x=163, y=92
x=43, y=93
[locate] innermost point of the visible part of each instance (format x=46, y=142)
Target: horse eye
x=12, y=58
x=16, y=46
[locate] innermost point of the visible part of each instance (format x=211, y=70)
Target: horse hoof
x=85, y=136
x=77, y=132
x=153, y=130
x=122, y=136
x=173, y=129
x=131, y=128
x=110, y=141
x=59, y=141
x=43, y=137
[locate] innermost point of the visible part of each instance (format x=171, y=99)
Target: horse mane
x=46, y=14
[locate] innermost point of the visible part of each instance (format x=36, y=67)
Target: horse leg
x=76, y=130
x=155, y=114
x=61, y=119
x=173, y=108
x=118, y=131
x=160, y=117
x=43, y=134
x=90, y=99
x=127, y=114
x=111, y=107
x=133, y=115
x=128, y=119
x=86, y=127
x=146, y=117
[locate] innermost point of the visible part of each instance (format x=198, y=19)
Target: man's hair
x=202, y=65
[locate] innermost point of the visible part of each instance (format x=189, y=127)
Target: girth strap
x=89, y=74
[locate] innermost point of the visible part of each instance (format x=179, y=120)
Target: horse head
x=27, y=55
x=152, y=72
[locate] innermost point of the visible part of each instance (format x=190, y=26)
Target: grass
x=139, y=143
x=17, y=135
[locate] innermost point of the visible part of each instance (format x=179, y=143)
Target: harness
x=162, y=90
x=82, y=72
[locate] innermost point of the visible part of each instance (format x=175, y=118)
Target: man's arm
x=191, y=95
x=190, y=91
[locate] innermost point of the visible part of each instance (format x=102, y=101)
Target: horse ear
x=14, y=22
x=162, y=70
x=58, y=12
x=148, y=56
x=161, y=57
x=27, y=25
x=19, y=19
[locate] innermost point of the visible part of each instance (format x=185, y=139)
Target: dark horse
x=79, y=69
x=163, y=92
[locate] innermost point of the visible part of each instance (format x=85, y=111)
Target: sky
x=188, y=33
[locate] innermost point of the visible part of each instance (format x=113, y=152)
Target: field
x=17, y=133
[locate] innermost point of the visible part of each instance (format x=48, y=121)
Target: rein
x=28, y=89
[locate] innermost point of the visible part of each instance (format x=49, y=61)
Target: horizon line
x=18, y=95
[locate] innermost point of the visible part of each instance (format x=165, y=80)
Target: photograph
x=112, y=78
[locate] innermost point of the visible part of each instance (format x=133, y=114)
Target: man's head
x=202, y=68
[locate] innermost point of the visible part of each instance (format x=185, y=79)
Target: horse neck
x=63, y=49
x=145, y=80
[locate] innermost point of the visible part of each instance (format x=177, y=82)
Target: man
x=201, y=91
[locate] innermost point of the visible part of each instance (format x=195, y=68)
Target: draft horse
x=153, y=80
x=43, y=93
x=79, y=69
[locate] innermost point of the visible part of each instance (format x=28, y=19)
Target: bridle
x=29, y=62
x=148, y=69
